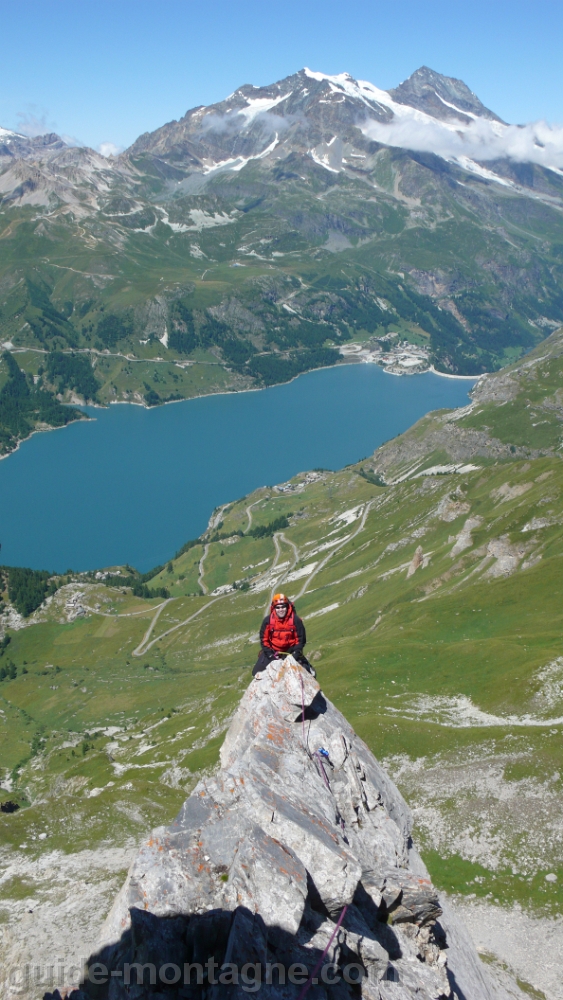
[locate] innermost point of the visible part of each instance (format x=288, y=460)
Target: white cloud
x=271, y=123
x=109, y=149
x=239, y=121
x=482, y=140
x=214, y=122
x=33, y=122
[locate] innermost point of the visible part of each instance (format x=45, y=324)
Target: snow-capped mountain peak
x=336, y=121
x=306, y=112
x=360, y=90
x=421, y=182
x=7, y=135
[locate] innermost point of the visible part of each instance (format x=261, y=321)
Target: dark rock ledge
x=260, y=863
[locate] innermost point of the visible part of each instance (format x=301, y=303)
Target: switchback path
x=278, y=551
x=280, y=535
x=144, y=646
x=141, y=647
x=201, y=562
x=277, y=547
x=293, y=546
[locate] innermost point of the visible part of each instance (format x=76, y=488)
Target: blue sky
x=104, y=72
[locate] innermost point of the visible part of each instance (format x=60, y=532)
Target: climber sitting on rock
x=281, y=632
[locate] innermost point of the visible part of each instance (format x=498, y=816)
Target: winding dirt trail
x=125, y=614
x=279, y=539
x=144, y=646
x=201, y=562
x=141, y=647
x=277, y=536
x=324, y=561
x=293, y=546
x=249, y=513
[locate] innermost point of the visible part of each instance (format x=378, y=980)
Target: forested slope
x=25, y=406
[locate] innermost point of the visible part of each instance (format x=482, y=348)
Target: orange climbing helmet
x=280, y=599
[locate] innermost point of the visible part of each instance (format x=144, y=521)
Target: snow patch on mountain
x=259, y=105
x=6, y=135
x=360, y=90
x=202, y=220
x=236, y=163
x=323, y=161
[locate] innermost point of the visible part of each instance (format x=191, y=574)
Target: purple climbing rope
x=316, y=754
x=303, y=710
x=323, y=956
x=320, y=766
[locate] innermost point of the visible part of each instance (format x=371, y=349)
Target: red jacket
x=282, y=635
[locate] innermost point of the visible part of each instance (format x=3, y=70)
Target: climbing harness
x=323, y=956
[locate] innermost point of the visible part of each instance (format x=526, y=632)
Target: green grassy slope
x=444, y=665
x=515, y=413
x=287, y=259
x=434, y=616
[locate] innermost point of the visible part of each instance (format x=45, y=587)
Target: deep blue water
x=133, y=485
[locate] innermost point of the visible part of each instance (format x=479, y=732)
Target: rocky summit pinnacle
x=293, y=865
x=442, y=97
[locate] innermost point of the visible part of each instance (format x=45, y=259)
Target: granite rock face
x=297, y=851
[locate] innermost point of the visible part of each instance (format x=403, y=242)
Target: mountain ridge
x=299, y=96
x=251, y=237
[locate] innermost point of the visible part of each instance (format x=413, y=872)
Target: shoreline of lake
x=132, y=483
x=223, y=392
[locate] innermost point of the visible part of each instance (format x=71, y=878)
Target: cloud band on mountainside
x=537, y=142
x=269, y=122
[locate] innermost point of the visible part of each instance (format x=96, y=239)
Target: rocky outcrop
x=291, y=869
x=440, y=436
x=443, y=97
x=449, y=436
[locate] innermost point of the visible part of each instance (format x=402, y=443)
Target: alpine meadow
x=314, y=222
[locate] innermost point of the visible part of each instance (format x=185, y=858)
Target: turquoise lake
x=132, y=485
